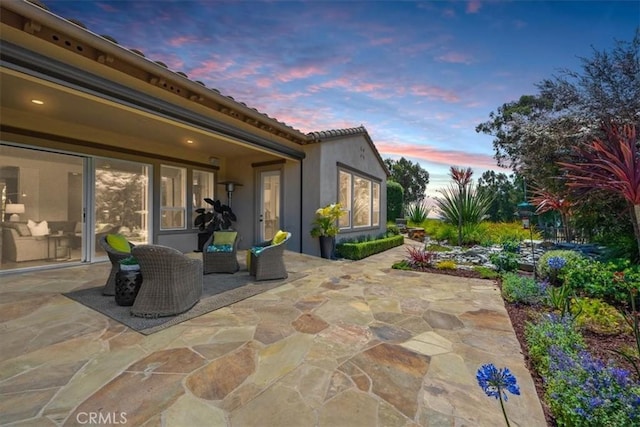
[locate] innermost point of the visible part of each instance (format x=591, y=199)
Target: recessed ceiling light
x=189, y=141
x=37, y=101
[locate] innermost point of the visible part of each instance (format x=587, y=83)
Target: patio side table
x=127, y=286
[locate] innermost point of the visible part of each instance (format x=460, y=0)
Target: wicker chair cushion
x=279, y=237
x=119, y=243
x=224, y=237
x=220, y=248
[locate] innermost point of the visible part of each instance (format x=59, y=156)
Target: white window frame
x=374, y=202
x=177, y=206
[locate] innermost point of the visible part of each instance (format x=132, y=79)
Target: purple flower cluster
x=556, y=262
x=495, y=382
x=593, y=389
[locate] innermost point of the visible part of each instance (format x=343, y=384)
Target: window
x=172, y=197
x=345, y=199
x=203, y=186
x=360, y=198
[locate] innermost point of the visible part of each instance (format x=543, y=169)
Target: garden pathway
x=350, y=344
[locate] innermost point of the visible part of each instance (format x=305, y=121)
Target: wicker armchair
x=221, y=262
x=115, y=257
x=268, y=264
x=171, y=281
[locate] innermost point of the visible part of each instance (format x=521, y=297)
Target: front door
x=268, y=204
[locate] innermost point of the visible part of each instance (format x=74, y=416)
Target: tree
x=507, y=192
x=611, y=164
x=395, y=194
x=536, y=132
x=411, y=177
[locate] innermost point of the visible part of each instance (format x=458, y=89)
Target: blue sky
x=418, y=75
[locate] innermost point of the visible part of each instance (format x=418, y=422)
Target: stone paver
x=349, y=344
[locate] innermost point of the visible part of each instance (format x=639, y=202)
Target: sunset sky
x=418, y=75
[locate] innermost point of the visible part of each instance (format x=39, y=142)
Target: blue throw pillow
x=257, y=249
x=220, y=248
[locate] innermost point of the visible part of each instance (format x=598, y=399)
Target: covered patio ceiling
x=69, y=112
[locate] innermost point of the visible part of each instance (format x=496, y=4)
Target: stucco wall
x=354, y=152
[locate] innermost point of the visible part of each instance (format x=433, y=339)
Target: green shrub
x=402, y=265
x=597, y=316
x=434, y=247
x=392, y=230
x=505, y=261
x=570, y=257
x=446, y=264
x=485, y=272
x=551, y=330
x=395, y=196
x=485, y=233
x=417, y=212
x=596, y=279
x=525, y=290
x=360, y=250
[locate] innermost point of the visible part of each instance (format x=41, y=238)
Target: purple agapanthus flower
x=556, y=262
x=495, y=382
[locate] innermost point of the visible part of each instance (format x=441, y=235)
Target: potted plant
x=325, y=227
x=219, y=218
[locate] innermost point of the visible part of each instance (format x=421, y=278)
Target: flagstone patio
x=349, y=344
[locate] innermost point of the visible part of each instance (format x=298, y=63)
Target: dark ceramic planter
x=326, y=246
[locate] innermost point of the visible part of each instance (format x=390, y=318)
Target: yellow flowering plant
x=325, y=222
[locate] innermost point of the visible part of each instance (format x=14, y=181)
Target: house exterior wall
x=323, y=160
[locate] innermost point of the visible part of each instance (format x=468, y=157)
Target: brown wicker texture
x=171, y=281
x=220, y=262
x=269, y=263
x=115, y=257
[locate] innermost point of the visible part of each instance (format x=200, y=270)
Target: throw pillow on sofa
x=38, y=228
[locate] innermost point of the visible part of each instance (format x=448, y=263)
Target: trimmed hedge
x=360, y=250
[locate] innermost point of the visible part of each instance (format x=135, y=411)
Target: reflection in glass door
x=269, y=204
x=121, y=201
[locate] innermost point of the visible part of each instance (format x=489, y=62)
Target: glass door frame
x=260, y=219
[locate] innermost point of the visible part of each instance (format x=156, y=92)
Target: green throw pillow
x=279, y=237
x=119, y=243
x=224, y=237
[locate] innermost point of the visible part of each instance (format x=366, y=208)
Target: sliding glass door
x=56, y=206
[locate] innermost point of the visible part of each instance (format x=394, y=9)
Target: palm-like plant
x=611, y=164
x=467, y=206
x=461, y=177
x=548, y=200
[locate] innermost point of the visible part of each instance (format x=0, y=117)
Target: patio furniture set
x=169, y=282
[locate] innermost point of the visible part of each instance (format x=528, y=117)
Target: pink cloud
x=473, y=6
x=434, y=92
x=437, y=156
x=382, y=41
x=106, y=7
x=300, y=73
x=207, y=68
x=183, y=40
x=455, y=58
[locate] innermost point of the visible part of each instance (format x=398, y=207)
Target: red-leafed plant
x=610, y=164
x=547, y=200
x=420, y=259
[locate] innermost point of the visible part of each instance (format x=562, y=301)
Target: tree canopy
x=411, y=177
